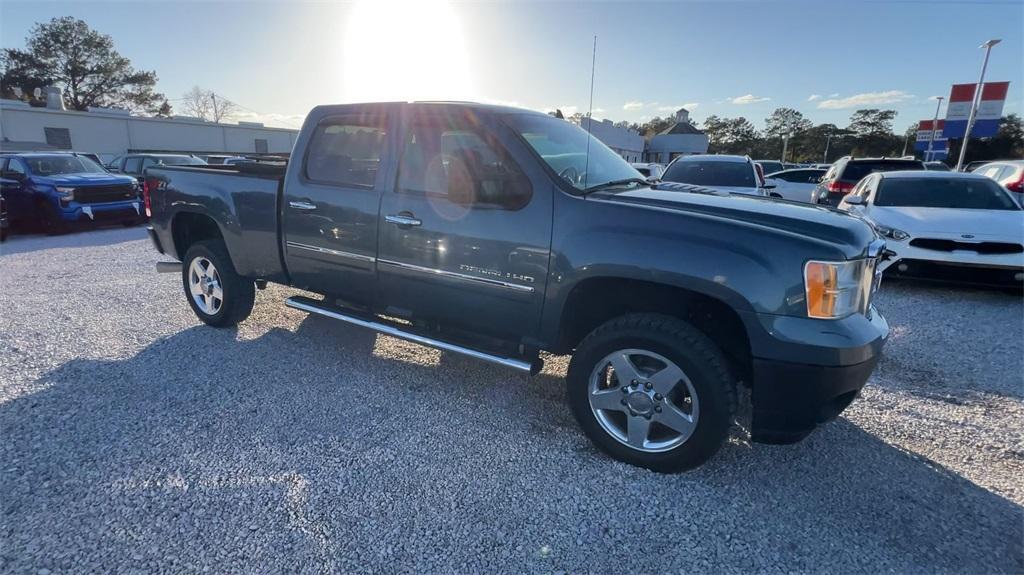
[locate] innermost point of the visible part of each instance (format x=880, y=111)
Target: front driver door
x=331, y=205
x=465, y=234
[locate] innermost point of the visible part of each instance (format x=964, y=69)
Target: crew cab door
x=466, y=232
x=13, y=177
x=330, y=204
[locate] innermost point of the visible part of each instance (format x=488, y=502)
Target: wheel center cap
x=640, y=402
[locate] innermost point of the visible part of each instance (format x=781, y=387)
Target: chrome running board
x=319, y=308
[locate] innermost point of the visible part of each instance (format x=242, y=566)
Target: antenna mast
x=590, y=111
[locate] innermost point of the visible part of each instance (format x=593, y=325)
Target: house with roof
x=680, y=139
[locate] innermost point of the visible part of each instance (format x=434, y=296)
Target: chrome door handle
x=302, y=205
x=401, y=220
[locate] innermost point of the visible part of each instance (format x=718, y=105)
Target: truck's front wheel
x=218, y=295
x=653, y=391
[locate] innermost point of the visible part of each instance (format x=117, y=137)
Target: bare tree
x=207, y=105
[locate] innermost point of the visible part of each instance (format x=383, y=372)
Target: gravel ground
x=136, y=440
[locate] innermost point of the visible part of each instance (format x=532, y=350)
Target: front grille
x=990, y=248
x=103, y=194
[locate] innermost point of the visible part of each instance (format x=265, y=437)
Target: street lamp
x=935, y=126
x=785, y=143
x=974, y=102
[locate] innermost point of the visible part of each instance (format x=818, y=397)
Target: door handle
x=402, y=220
x=302, y=205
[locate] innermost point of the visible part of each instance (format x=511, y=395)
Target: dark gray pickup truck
x=500, y=233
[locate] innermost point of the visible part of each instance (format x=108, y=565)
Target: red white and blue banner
x=990, y=109
x=924, y=134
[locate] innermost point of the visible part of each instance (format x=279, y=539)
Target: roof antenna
x=590, y=117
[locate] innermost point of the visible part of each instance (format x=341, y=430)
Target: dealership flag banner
x=990, y=109
x=924, y=133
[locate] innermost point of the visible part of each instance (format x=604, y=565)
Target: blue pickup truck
x=53, y=191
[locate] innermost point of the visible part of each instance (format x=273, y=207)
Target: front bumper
x=810, y=372
x=959, y=266
x=102, y=212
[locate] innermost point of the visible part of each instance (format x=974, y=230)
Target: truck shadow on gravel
x=331, y=448
x=84, y=237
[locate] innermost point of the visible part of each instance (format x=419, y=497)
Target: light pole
x=785, y=143
x=935, y=126
x=974, y=102
x=828, y=140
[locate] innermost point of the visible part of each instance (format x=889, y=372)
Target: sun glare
x=405, y=50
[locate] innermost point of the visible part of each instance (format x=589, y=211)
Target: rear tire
x=672, y=410
x=217, y=294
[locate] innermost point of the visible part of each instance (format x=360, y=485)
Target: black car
x=4, y=223
x=847, y=171
x=136, y=164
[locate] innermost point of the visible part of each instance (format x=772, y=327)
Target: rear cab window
x=347, y=150
x=855, y=170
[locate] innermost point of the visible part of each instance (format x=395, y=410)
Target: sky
x=277, y=59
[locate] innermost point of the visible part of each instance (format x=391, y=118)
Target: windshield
x=957, y=193
x=711, y=173
x=563, y=147
x=854, y=171
x=55, y=165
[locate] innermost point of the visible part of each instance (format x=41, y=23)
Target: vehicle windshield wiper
x=614, y=184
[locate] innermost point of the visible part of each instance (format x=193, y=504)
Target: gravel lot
x=136, y=440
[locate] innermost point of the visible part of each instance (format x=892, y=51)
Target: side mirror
x=652, y=179
x=853, y=200
x=768, y=186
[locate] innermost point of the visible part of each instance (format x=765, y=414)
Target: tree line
x=66, y=52
x=869, y=133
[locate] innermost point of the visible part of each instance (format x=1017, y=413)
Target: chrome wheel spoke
x=607, y=399
x=625, y=371
x=665, y=380
x=637, y=431
x=673, y=418
x=218, y=293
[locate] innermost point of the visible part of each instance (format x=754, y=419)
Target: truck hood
x=87, y=179
x=1003, y=224
x=850, y=233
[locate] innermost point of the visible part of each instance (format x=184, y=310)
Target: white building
x=627, y=143
x=109, y=132
x=680, y=139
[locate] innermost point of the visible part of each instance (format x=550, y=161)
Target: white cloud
x=814, y=97
x=836, y=95
x=865, y=99
x=749, y=99
x=597, y=111
x=632, y=105
x=689, y=106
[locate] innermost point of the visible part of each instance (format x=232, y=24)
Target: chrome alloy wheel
x=204, y=285
x=643, y=400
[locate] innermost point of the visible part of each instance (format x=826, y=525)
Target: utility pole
x=935, y=127
x=974, y=102
x=828, y=140
x=785, y=144
x=216, y=114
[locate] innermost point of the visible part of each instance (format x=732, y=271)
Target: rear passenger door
x=465, y=233
x=330, y=205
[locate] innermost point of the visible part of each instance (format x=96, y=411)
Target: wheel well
x=188, y=228
x=598, y=300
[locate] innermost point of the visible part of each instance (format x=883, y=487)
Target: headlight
x=66, y=194
x=892, y=233
x=835, y=290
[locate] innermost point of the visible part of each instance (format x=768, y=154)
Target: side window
x=16, y=167
x=147, y=163
x=448, y=158
x=346, y=151
x=831, y=173
x=133, y=165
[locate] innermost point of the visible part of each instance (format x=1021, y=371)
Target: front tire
x=218, y=295
x=653, y=391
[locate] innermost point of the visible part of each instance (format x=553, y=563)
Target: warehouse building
x=627, y=143
x=110, y=132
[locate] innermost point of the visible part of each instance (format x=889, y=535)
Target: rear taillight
x=1017, y=186
x=760, y=175
x=838, y=187
x=146, y=201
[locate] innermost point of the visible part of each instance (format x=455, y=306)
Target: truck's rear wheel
x=218, y=295
x=653, y=391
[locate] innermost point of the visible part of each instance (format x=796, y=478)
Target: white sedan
x=949, y=226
